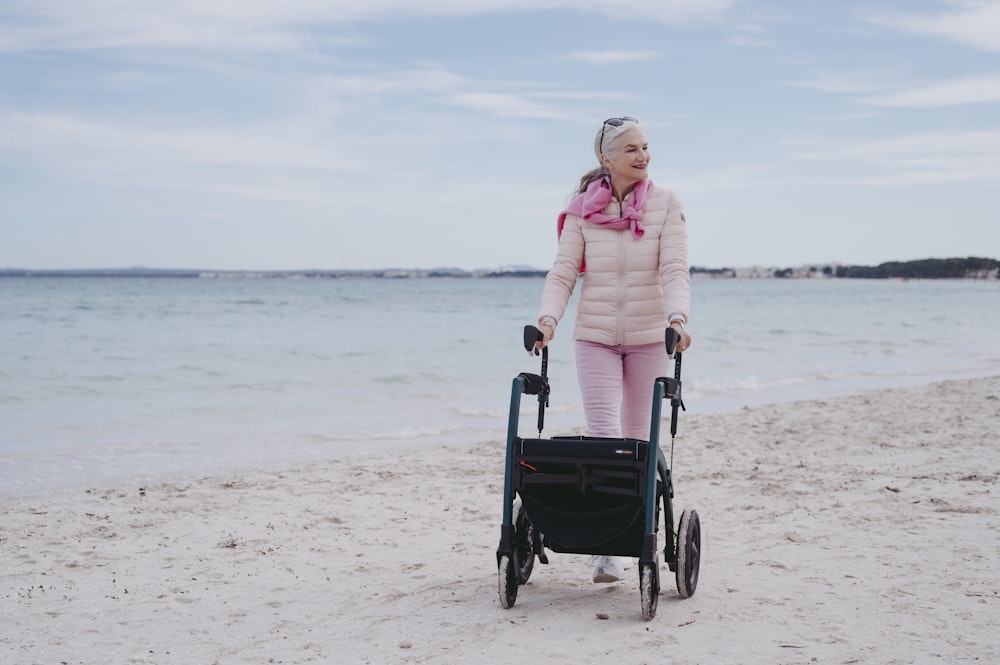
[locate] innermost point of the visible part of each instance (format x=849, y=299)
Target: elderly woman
x=628, y=238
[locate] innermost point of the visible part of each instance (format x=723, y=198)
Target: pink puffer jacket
x=631, y=287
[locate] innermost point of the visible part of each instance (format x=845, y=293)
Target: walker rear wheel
x=688, y=553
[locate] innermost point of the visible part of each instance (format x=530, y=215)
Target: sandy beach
x=862, y=529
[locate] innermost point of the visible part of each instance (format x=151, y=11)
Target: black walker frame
x=593, y=495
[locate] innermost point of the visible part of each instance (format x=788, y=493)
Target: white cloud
x=957, y=92
x=381, y=83
x=250, y=146
x=756, y=34
x=610, y=57
x=741, y=41
x=884, y=89
x=975, y=23
x=926, y=158
x=287, y=163
x=505, y=105
x=843, y=82
x=500, y=98
x=264, y=25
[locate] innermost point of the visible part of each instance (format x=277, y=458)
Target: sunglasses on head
x=615, y=122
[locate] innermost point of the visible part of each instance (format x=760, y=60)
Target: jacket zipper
x=621, y=280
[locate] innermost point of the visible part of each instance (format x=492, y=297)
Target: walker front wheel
x=524, y=544
x=649, y=589
x=507, y=581
x=688, y=553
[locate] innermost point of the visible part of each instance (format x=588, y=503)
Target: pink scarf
x=590, y=207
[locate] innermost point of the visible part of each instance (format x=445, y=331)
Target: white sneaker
x=609, y=568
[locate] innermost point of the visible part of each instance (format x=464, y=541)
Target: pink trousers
x=616, y=384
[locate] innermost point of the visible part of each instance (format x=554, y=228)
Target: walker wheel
x=507, y=577
x=649, y=589
x=688, y=553
x=524, y=544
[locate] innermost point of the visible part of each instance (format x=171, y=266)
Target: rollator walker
x=594, y=495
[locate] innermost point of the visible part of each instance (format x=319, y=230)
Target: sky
x=324, y=134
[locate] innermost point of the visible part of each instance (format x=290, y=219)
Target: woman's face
x=628, y=160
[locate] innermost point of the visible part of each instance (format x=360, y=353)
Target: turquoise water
x=108, y=380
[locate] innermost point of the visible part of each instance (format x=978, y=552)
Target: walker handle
x=672, y=338
x=532, y=335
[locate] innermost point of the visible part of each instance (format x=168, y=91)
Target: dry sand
x=858, y=530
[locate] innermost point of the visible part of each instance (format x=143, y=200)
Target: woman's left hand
x=683, y=338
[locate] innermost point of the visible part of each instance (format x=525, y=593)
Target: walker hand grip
x=672, y=338
x=532, y=335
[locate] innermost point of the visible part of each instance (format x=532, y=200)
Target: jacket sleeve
x=675, y=274
x=562, y=277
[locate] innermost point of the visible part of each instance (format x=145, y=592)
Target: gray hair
x=605, y=142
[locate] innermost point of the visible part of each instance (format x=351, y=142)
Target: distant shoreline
x=393, y=273
x=971, y=268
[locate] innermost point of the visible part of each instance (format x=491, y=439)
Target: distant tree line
x=713, y=272
x=957, y=268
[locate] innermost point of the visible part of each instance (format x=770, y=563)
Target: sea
x=106, y=382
